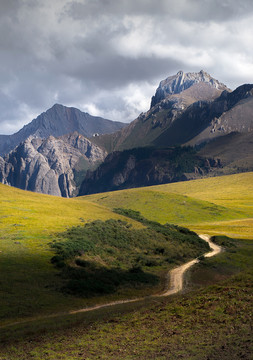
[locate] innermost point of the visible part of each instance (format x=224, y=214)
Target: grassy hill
x=30, y=223
x=204, y=323
x=219, y=205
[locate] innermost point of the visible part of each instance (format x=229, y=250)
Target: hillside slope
x=30, y=284
x=234, y=150
x=217, y=205
x=32, y=287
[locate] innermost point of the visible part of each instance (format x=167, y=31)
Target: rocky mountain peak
x=182, y=81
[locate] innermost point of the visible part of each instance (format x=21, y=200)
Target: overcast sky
x=107, y=57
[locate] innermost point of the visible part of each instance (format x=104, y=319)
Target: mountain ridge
x=180, y=118
x=188, y=109
x=57, y=121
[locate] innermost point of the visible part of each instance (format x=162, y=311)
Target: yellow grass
x=213, y=205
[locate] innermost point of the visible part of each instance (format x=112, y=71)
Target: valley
x=99, y=252
x=30, y=221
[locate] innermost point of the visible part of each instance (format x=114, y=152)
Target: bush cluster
x=100, y=256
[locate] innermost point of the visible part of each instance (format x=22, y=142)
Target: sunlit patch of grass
x=208, y=205
x=242, y=228
x=231, y=191
x=166, y=207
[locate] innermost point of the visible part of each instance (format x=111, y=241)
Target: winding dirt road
x=174, y=284
x=176, y=276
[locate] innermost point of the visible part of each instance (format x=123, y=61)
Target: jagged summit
x=181, y=81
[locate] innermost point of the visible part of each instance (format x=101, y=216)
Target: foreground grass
x=214, y=322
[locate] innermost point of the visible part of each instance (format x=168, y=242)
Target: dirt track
x=174, y=279
x=176, y=275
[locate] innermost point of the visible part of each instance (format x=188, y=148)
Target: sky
x=107, y=57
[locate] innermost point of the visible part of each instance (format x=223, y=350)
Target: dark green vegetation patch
x=101, y=257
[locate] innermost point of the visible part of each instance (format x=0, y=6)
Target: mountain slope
x=51, y=165
x=235, y=150
x=59, y=120
x=187, y=108
x=144, y=167
x=172, y=99
x=204, y=120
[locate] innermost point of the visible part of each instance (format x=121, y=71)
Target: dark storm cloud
x=107, y=56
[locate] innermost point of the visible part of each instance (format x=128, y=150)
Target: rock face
x=146, y=166
x=50, y=165
x=183, y=81
x=57, y=121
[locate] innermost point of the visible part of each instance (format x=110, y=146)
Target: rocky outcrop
x=182, y=81
x=50, y=165
x=57, y=121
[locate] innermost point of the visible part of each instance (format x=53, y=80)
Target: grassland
x=28, y=222
x=209, y=323
x=220, y=205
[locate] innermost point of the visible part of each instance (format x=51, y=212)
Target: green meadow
x=219, y=205
x=210, y=320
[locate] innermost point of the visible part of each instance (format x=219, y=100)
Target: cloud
x=107, y=57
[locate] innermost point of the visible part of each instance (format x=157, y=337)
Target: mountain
x=180, y=82
x=59, y=120
x=146, y=166
x=187, y=108
x=51, y=166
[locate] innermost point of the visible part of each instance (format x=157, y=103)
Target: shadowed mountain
x=235, y=150
x=187, y=109
x=57, y=121
x=146, y=166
